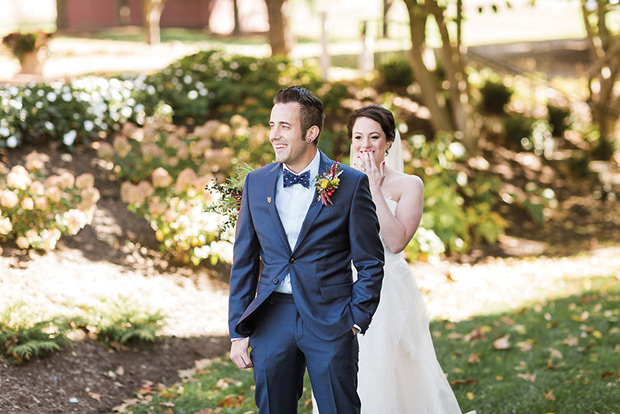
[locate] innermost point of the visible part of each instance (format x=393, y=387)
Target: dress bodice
x=388, y=253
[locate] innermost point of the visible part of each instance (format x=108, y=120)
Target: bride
x=398, y=369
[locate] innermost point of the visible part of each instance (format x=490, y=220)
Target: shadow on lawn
x=555, y=356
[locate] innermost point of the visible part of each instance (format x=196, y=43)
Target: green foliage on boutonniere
x=328, y=182
x=227, y=196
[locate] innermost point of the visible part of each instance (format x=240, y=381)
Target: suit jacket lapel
x=316, y=206
x=271, y=182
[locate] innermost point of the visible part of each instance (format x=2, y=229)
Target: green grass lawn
x=560, y=355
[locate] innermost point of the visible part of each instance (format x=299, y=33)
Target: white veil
x=394, y=157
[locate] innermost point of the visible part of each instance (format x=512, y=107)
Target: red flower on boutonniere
x=328, y=182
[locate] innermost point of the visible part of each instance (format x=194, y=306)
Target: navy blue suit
x=311, y=327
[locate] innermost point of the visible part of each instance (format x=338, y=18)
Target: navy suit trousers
x=282, y=349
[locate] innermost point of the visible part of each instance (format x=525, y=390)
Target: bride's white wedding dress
x=398, y=369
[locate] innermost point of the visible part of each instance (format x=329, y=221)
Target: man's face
x=286, y=136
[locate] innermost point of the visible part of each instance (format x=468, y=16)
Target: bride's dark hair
x=378, y=114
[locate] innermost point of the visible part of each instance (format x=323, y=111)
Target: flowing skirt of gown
x=398, y=370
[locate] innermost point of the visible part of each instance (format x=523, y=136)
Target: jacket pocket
x=340, y=290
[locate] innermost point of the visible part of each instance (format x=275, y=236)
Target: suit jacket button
x=276, y=281
x=292, y=260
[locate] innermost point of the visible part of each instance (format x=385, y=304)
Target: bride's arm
x=398, y=229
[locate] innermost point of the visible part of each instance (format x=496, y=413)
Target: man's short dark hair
x=311, y=111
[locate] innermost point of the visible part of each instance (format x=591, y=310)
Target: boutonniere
x=327, y=183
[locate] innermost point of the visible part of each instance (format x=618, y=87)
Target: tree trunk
x=152, y=10
x=429, y=85
x=387, y=4
x=279, y=36
x=454, y=67
x=237, y=28
x=62, y=18
x=604, y=71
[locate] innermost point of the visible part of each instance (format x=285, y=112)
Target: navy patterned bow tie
x=291, y=178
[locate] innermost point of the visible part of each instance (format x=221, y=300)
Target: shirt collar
x=313, y=167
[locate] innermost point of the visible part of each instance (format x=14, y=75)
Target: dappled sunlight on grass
x=557, y=355
x=458, y=291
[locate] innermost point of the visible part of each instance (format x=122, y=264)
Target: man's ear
x=312, y=133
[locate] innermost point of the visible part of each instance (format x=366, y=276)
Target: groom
x=292, y=295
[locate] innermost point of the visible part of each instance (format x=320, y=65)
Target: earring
x=309, y=140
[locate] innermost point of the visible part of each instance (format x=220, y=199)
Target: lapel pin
x=269, y=199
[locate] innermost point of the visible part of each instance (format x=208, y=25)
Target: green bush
x=22, y=336
x=126, y=322
x=25, y=334
x=395, y=73
x=458, y=211
x=517, y=131
x=604, y=149
x=559, y=119
x=70, y=113
x=495, y=95
x=213, y=85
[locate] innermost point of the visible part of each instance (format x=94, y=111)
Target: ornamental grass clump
x=37, y=209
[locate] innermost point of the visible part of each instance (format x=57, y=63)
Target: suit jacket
x=331, y=236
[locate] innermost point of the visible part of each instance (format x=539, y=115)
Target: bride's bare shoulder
x=406, y=181
x=401, y=185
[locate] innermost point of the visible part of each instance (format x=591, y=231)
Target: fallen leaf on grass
x=470, y=395
x=502, y=343
x=508, y=321
x=225, y=382
x=231, y=401
x=524, y=346
x=550, y=396
x=167, y=404
x=527, y=376
x=556, y=354
x=474, y=358
x=477, y=334
x=571, y=341
x=607, y=374
x=464, y=382
x=581, y=318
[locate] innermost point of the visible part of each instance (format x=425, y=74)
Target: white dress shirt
x=292, y=204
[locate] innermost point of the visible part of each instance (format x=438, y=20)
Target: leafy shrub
x=36, y=210
x=125, y=322
x=165, y=170
x=456, y=210
x=604, y=149
x=517, y=131
x=23, y=337
x=495, y=95
x=396, y=72
x=69, y=113
x=559, y=119
x=25, y=334
x=213, y=85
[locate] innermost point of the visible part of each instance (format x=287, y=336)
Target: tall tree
x=457, y=114
x=604, y=72
x=280, y=38
x=151, y=12
x=237, y=27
